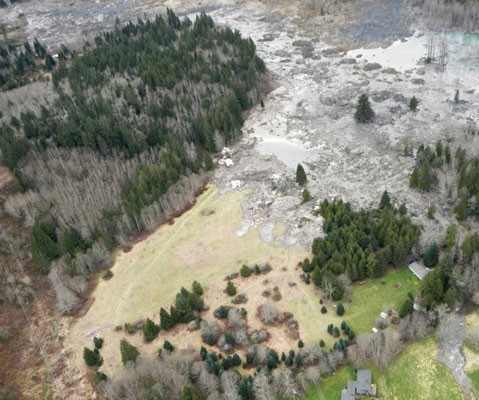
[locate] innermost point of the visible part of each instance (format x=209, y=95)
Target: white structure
x=235, y=184
x=229, y=162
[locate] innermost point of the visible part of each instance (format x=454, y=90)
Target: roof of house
x=361, y=386
x=419, y=270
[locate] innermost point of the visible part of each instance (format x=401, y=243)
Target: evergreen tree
x=406, y=308
x=92, y=358
x=364, y=113
x=431, y=258
x=306, y=196
x=98, y=342
x=413, y=103
x=340, y=310
x=373, y=267
x=150, y=330
x=300, y=344
x=197, y=289
x=166, y=322
x=128, y=352
x=300, y=175
x=321, y=343
x=385, y=200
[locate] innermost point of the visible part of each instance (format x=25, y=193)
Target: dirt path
x=451, y=334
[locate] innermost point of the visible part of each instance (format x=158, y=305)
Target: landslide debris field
x=307, y=118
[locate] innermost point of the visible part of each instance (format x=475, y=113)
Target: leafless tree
x=208, y=383
x=268, y=312
x=284, y=383
x=235, y=319
x=262, y=388
x=380, y=348
x=229, y=384
x=414, y=327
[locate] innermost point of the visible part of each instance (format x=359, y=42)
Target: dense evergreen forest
x=359, y=244
x=459, y=173
x=127, y=140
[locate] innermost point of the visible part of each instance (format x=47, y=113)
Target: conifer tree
x=300, y=175
x=166, y=321
x=128, y=352
x=364, y=113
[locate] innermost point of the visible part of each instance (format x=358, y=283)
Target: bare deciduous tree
x=268, y=312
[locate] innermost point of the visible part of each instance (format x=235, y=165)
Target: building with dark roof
x=361, y=387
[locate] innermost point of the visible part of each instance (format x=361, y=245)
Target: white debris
x=384, y=315
x=225, y=151
x=235, y=184
x=229, y=162
x=374, y=330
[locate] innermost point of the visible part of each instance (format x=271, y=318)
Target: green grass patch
x=474, y=375
x=330, y=388
x=416, y=374
x=368, y=301
x=372, y=298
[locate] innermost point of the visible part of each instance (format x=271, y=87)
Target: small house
x=419, y=270
x=361, y=387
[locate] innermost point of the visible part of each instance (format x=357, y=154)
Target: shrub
x=98, y=341
x=431, y=211
x=92, y=358
x=321, y=343
x=150, y=330
x=128, y=352
x=306, y=196
x=257, y=270
x=230, y=289
x=168, y=346
x=129, y=328
x=229, y=338
x=324, y=310
x=107, y=275
x=245, y=271
x=340, y=310
x=221, y=312
x=99, y=377
x=330, y=329
x=335, y=332
x=307, y=279
x=300, y=344
x=344, y=325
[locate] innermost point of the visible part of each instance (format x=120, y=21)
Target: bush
x=306, y=196
x=168, y=346
x=150, y=330
x=245, y=271
x=335, y=332
x=221, y=312
x=344, y=325
x=300, y=344
x=99, y=377
x=324, y=310
x=98, y=341
x=340, y=310
x=307, y=279
x=230, y=289
x=330, y=329
x=92, y=358
x=321, y=343
x=431, y=211
x=129, y=328
x=107, y=275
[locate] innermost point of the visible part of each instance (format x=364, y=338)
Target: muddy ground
x=308, y=117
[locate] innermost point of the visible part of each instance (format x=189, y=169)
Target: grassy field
x=201, y=245
x=368, y=301
x=415, y=374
